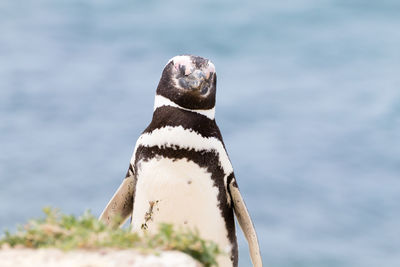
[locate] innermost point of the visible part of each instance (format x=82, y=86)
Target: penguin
x=180, y=172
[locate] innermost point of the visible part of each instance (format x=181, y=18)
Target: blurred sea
x=308, y=103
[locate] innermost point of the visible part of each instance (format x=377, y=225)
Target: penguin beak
x=194, y=74
x=197, y=81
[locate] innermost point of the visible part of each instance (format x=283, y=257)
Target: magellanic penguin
x=180, y=172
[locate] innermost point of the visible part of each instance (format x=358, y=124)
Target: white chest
x=178, y=192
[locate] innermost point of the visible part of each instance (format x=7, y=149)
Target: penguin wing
x=121, y=203
x=245, y=223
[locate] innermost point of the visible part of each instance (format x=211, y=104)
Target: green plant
x=68, y=232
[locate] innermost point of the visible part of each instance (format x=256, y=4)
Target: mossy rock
x=68, y=232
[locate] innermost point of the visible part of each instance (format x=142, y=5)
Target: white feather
x=163, y=101
x=182, y=194
x=171, y=136
x=187, y=61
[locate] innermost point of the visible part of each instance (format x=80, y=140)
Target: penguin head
x=190, y=82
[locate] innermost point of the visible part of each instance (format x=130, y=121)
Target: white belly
x=181, y=193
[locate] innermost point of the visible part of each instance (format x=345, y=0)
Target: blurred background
x=308, y=104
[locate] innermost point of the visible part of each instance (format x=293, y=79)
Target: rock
x=93, y=258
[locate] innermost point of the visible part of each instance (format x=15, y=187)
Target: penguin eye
x=204, y=89
x=182, y=70
x=183, y=83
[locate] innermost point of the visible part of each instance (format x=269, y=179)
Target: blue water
x=308, y=104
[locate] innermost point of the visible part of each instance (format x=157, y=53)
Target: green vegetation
x=68, y=232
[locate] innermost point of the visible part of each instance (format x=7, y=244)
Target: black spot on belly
x=148, y=216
